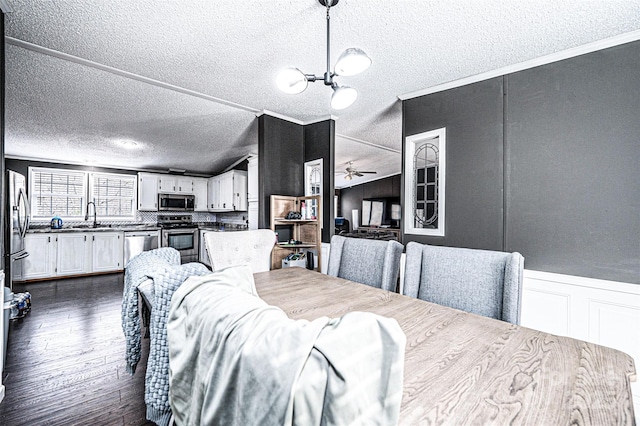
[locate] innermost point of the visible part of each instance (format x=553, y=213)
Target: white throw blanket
x=234, y=360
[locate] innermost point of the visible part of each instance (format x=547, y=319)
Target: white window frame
x=87, y=188
x=132, y=178
x=311, y=167
x=33, y=191
x=412, y=143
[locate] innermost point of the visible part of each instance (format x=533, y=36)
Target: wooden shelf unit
x=308, y=231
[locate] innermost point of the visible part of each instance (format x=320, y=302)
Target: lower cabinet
x=107, y=251
x=41, y=262
x=73, y=256
x=72, y=253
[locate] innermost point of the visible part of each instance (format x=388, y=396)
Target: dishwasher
x=135, y=242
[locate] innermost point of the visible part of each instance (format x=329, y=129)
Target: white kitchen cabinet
x=167, y=184
x=253, y=213
x=184, y=185
x=41, y=262
x=148, y=191
x=107, y=251
x=213, y=193
x=228, y=191
x=200, y=193
x=173, y=184
x=252, y=179
x=74, y=254
x=252, y=192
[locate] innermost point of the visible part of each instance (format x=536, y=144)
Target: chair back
x=483, y=282
x=235, y=248
x=372, y=262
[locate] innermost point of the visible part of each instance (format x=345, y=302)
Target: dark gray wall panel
x=574, y=165
x=281, y=154
x=3, y=215
x=472, y=116
x=319, y=142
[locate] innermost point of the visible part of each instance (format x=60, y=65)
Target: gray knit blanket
x=163, y=267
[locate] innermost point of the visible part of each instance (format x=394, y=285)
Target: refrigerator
x=18, y=215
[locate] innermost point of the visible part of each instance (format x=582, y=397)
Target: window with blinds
x=57, y=192
x=114, y=195
x=66, y=193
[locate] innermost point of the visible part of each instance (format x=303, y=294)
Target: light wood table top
x=462, y=368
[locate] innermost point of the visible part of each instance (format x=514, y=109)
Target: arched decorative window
x=424, y=166
x=425, y=185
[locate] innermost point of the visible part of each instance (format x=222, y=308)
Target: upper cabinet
x=172, y=184
x=200, y=192
x=148, y=191
x=228, y=192
x=152, y=184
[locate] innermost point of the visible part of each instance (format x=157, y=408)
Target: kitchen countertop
x=45, y=228
x=100, y=228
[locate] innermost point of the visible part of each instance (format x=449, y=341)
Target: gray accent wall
x=472, y=116
x=564, y=146
x=573, y=129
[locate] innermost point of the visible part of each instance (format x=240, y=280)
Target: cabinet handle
x=85, y=238
x=48, y=239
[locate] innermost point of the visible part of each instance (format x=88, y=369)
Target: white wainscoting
x=598, y=311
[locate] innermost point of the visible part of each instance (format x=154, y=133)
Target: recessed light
x=128, y=143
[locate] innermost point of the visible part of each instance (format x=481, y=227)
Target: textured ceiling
x=185, y=78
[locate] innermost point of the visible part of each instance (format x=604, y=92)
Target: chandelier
x=351, y=62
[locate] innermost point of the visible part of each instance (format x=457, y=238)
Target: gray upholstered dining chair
x=482, y=282
x=235, y=248
x=366, y=261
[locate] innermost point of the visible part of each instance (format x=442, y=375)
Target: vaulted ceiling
x=185, y=79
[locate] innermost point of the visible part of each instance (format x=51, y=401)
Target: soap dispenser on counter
x=56, y=222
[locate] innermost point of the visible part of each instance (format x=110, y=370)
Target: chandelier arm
x=328, y=76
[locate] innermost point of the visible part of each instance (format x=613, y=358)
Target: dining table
x=465, y=369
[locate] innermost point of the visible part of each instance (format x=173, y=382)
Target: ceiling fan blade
x=359, y=171
x=358, y=174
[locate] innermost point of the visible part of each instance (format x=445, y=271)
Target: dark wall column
x=280, y=164
x=319, y=142
x=3, y=217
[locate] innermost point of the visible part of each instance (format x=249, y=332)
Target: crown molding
x=543, y=60
x=295, y=120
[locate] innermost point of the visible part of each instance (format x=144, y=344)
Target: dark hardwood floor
x=65, y=359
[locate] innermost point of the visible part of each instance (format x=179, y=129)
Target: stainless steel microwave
x=176, y=202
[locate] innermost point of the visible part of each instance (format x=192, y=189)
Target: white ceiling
x=186, y=78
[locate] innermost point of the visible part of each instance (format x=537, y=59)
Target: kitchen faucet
x=86, y=216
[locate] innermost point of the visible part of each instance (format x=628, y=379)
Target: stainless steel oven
x=178, y=232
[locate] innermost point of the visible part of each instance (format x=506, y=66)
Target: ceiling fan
x=351, y=171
